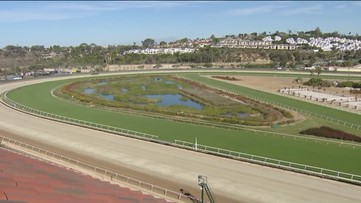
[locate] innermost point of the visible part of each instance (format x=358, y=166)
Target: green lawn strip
x=326, y=111
x=329, y=156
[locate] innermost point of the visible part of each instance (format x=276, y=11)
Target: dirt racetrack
x=272, y=84
x=230, y=180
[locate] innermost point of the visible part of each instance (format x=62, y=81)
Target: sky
x=70, y=23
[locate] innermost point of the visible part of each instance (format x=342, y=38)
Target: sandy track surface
x=276, y=83
x=230, y=180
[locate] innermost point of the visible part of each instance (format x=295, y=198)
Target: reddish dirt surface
x=161, y=182
x=32, y=181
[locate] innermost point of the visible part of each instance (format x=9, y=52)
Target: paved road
x=230, y=180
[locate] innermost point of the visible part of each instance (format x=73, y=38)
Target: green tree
x=214, y=39
x=312, y=60
x=38, y=48
x=283, y=63
x=163, y=43
x=317, y=32
x=56, y=49
x=148, y=43
x=347, y=63
x=208, y=65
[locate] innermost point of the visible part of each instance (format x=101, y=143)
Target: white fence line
x=311, y=170
x=217, y=151
x=323, y=117
x=334, y=106
x=203, y=123
x=320, y=116
x=91, y=169
x=111, y=129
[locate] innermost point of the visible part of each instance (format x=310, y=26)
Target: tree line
x=95, y=55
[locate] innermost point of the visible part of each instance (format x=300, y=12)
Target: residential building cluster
x=329, y=43
x=186, y=43
x=182, y=46
x=160, y=51
x=254, y=44
x=202, y=42
x=269, y=39
x=297, y=41
x=191, y=45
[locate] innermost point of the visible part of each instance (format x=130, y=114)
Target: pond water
x=174, y=99
x=238, y=114
x=102, y=83
x=107, y=96
x=89, y=90
x=169, y=82
x=180, y=87
x=92, y=91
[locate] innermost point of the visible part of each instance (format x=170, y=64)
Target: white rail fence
x=105, y=174
x=290, y=166
x=305, y=112
x=313, y=101
x=311, y=170
x=111, y=129
x=302, y=111
x=237, y=127
x=149, y=137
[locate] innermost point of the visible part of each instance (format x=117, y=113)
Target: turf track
x=321, y=154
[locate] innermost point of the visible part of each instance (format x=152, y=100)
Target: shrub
x=208, y=65
x=345, y=84
x=318, y=82
x=328, y=132
x=356, y=85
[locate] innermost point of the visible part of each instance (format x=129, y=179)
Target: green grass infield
x=329, y=155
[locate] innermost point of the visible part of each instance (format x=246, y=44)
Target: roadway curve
x=230, y=180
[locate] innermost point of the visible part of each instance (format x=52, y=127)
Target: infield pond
x=163, y=99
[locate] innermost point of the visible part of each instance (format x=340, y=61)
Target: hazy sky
x=120, y=22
